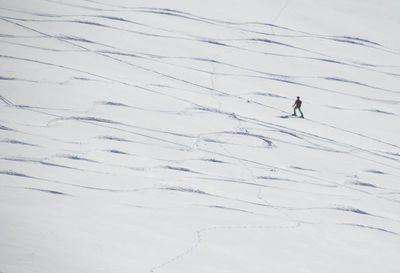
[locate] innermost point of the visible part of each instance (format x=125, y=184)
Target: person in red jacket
x=297, y=106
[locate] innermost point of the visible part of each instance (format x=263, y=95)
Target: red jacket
x=297, y=103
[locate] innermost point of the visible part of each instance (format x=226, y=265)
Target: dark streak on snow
x=179, y=169
x=380, y=112
x=75, y=157
x=237, y=181
x=369, y=227
x=289, y=133
x=118, y=53
x=49, y=191
x=363, y=184
x=101, y=120
x=359, y=40
x=227, y=208
x=7, y=78
x=114, y=18
x=75, y=39
x=270, y=42
x=275, y=178
x=213, y=160
x=182, y=189
x=12, y=173
x=374, y=171
x=117, y=152
x=350, y=209
x=5, y=128
x=87, y=23
x=328, y=60
x=110, y=103
x=214, y=43
x=357, y=83
x=21, y=159
x=12, y=141
x=114, y=138
x=56, y=165
x=174, y=13
x=213, y=141
x=82, y=79
x=347, y=41
x=302, y=169
x=393, y=154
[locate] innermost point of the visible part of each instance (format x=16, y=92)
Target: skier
x=297, y=105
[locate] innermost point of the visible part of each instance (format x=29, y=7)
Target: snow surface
x=155, y=136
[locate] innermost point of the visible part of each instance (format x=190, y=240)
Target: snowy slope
x=155, y=136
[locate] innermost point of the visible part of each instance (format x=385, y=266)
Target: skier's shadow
x=289, y=116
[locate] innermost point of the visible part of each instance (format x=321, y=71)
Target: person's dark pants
x=294, y=111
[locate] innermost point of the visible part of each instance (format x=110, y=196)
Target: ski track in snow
x=202, y=126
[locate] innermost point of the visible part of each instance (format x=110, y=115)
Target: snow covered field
x=156, y=136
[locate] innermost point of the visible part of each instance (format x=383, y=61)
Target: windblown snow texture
x=152, y=136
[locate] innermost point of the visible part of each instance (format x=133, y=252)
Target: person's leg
x=294, y=111
x=301, y=113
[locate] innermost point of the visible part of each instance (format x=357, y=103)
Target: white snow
x=155, y=136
